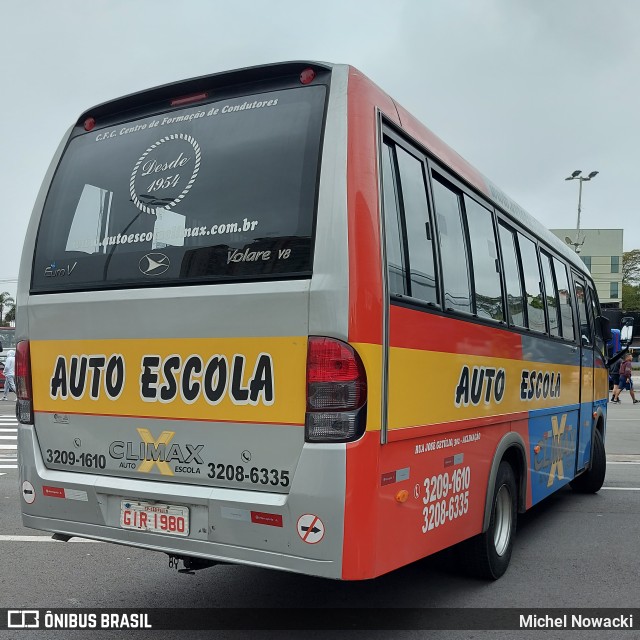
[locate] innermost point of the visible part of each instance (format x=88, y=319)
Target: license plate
x=158, y=518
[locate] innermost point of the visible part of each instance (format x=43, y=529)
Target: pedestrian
x=615, y=379
x=625, y=382
x=9, y=373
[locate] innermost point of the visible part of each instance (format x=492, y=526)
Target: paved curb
x=623, y=457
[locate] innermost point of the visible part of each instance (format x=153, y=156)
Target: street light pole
x=576, y=244
x=579, y=208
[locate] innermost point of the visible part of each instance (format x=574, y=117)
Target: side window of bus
x=594, y=307
x=564, y=299
x=422, y=273
x=515, y=300
x=551, y=295
x=532, y=280
x=453, y=249
x=392, y=224
x=484, y=257
x=407, y=216
x=583, y=316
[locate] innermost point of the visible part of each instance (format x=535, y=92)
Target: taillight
x=23, y=383
x=307, y=76
x=336, y=392
x=195, y=97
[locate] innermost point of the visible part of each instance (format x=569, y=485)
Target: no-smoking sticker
x=310, y=528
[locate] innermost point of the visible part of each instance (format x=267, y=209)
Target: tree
x=11, y=313
x=5, y=301
x=630, y=297
x=631, y=267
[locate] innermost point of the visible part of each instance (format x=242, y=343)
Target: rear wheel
x=488, y=554
x=591, y=481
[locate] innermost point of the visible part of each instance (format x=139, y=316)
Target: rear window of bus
x=222, y=191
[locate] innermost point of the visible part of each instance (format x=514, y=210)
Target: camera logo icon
x=23, y=619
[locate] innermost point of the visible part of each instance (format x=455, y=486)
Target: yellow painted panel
x=430, y=387
x=226, y=379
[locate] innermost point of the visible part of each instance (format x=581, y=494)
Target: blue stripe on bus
x=553, y=439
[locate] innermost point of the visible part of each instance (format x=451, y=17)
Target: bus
x=268, y=318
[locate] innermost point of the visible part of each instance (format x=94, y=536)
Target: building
x=601, y=251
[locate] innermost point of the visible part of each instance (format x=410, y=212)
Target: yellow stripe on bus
x=431, y=388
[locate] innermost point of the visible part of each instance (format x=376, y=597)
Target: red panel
x=365, y=270
x=447, y=487
x=382, y=533
x=412, y=329
x=361, y=519
x=365, y=311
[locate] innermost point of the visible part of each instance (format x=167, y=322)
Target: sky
x=526, y=90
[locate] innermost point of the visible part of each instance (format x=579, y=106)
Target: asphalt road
x=571, y=551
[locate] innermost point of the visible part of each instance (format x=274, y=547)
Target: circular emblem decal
x=154, y=264
x=310, y=528
x=28, y=492
x=165, y=172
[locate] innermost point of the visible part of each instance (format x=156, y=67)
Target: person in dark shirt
x=615, y=378
x=625, y=382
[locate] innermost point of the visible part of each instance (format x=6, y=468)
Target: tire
x=488, y=554
x=591, y=481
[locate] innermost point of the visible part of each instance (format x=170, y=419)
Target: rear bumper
x=187, y=547
x=222, y=527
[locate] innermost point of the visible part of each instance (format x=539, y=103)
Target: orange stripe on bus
x=124, y=415
x=422, y=431
x=412, y=329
